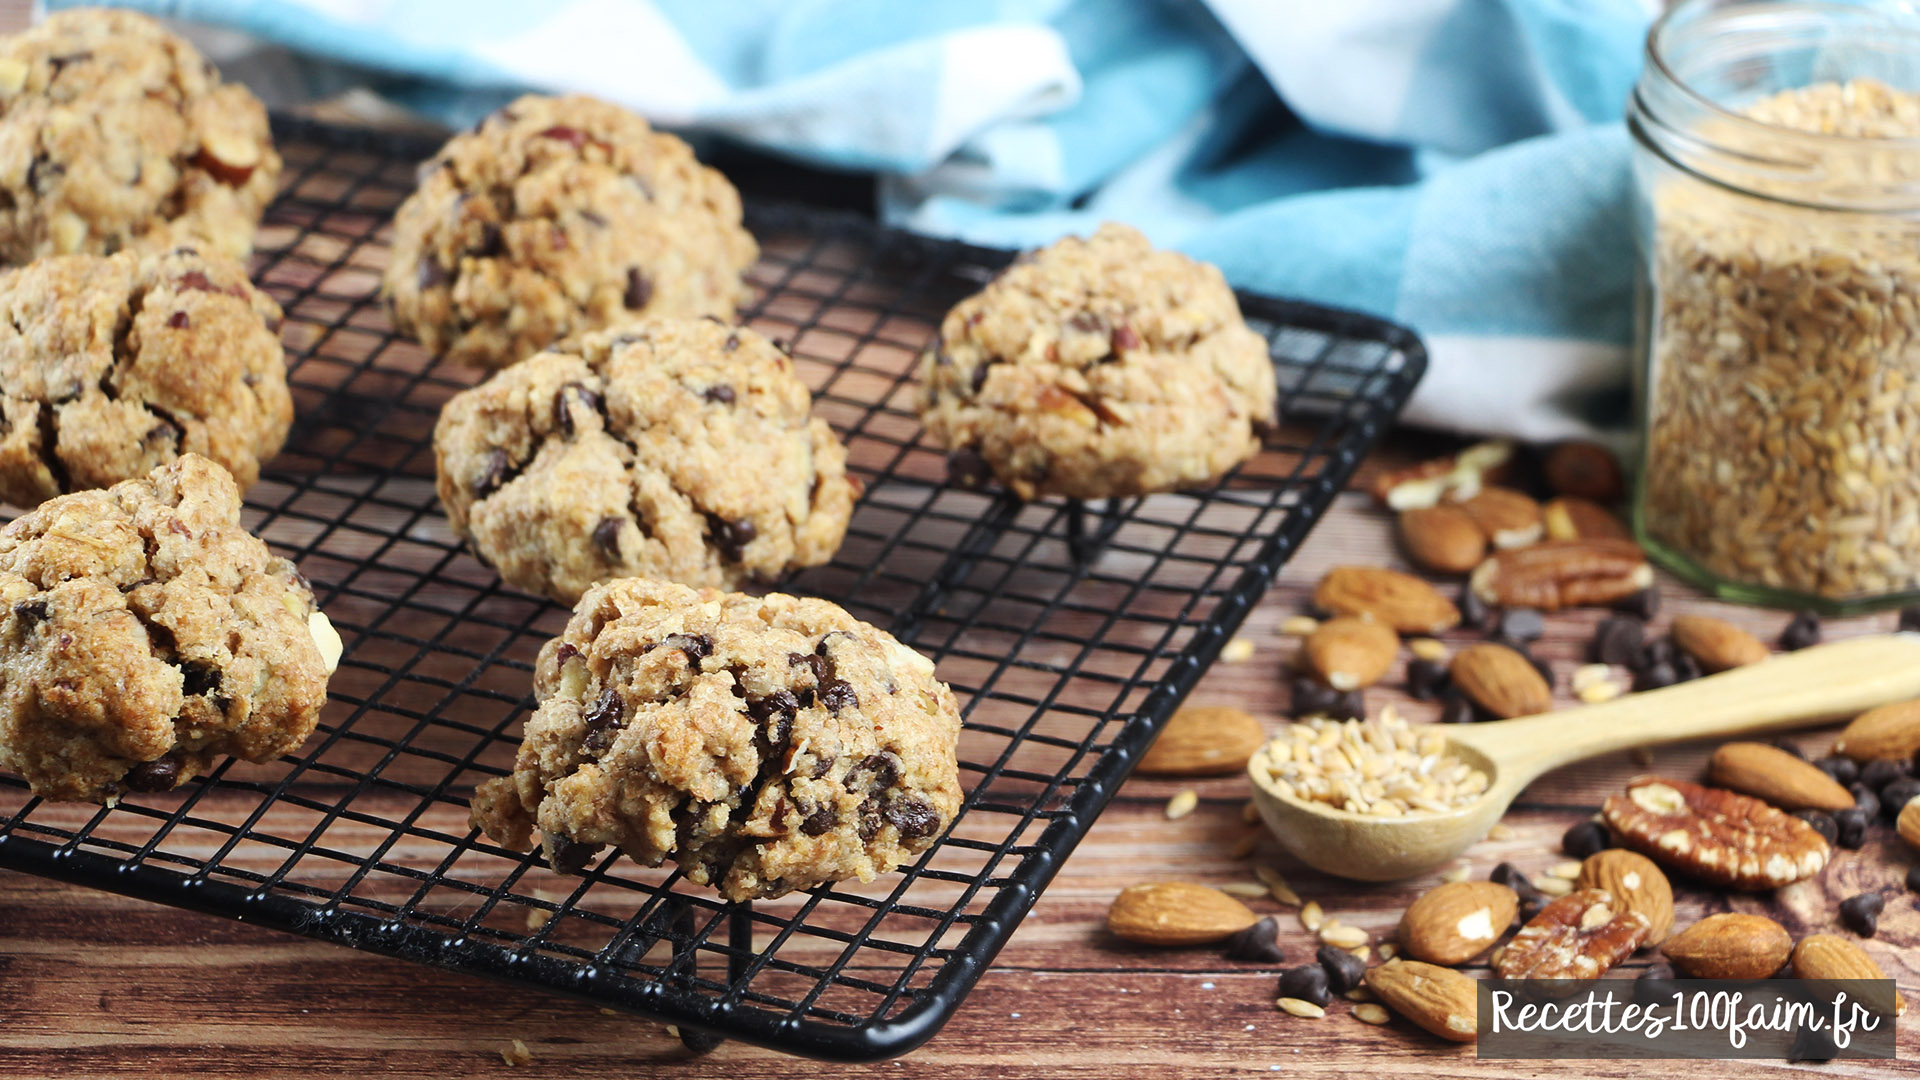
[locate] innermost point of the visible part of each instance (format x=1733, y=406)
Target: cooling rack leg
x=1085, y=543
x=739, y=955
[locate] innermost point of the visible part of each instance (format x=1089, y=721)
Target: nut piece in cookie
x=683, y=450
x=144, y=632
x=111, y=366
x=765, y=744
x=1098, y=367
x=118, y=135
x=556, y=216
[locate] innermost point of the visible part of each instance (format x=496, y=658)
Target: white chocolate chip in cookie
x=326, y=639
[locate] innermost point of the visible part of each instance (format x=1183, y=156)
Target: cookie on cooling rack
x=682, y=449
x=144, y=632
x=1098, y=367
x=116, y=134
x=765, y=744
x=113, y=365
x=555, y=216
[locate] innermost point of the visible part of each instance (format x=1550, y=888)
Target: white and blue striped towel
x=1457, y=165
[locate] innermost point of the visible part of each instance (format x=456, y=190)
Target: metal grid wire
x=1068, y=632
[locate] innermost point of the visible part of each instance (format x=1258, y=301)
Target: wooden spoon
x=1823, y=682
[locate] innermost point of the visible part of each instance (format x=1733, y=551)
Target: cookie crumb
x=516, y=1054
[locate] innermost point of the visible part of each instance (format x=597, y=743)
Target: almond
x=1350, y=652
x=1569, y=517
x=1773, y=775
x=1177, y=913
x=1555, y=574
x=1586, y=469
x=1439, y=999
x=1500, y=680
x=1730, y=946
x=1908, y=823
x=1890, y=731
x=1830, y=956
x=1454, y=923
x=1204, y=740
x=1444, y=539
x=1716, y=643
x=1509, y=518
x=1636, y=884
x=1401, y=601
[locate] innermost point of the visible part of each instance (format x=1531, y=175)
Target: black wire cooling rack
x=1070, y=633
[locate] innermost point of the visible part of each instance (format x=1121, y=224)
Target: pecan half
x=1715, y=835
x=1578, y=936
x=1557, y=574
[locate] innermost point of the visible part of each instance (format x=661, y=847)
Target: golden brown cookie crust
x=144, y=633
x=765, y=744
x=111, y=366
x=557, y=216
x=118, y=135
x=1098, y=367
x=680, y=449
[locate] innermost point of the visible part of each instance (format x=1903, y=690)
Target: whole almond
x=1453, y=923
x=1569, y=517
x=1204, y=740
x=1716, y=643
x=1439, y=999
x=1444, y=538
x=1401, y=601
x=1350, y=652
x=1500, y=680
x=1509, y=518
x=1890, y=731
x=1773, y=775
x=1730, y=946
x=1636, y=884
x=1830, y=956
x=1177, y=913
x=1908, y=823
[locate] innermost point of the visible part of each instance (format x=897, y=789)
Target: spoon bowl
x=1821, y=683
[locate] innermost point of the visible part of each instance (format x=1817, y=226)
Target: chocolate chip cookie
x=115, y=134
x=764, y=744
x=113, y=365
x=684, y=450
x=144, y=632
x=556, y=216
x=1096, y=368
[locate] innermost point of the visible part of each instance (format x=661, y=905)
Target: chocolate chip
x=1910, y=618
x=875, y=773
x=1644, y=604
x=1531, y=898
x=430, y=274
x=564, y=653
x=1843, y=769
x=1789, y=746
x=1895, y=796
x=1458, y=710
x=912, y=817
x=1822, y=823
x=1661, y=972
x=837, y=694
x=1257, y=944
x=781, y=705
x=1648, y=987
x=1311, y=696
x=150, y=776
x=719, y=395
x=1344, y=970
x=1473, y=610
x=1125, y=337
x=1522, y=624
x=1584, y=839
x=1655, y=677
x=563, y=408
x=1540, y=665
x=1617, y=640
x=732, y=343
x=572, y=136
x=492, y=244
x=1861, y=913
x=696, y=646
x=730, y=537
x=823, y=764
x=606, y=538
x=571, y=856
x=821, y=668
x=1308, y=982
x=820, y=820
x=1802, y=631
x=1686, y=668
x=639, y=290
x=602, y=722
x=967, y=469
x=1351, y=705
x=30, y=613
x=1086, y=322
x=493, y=474
x=1811, y=1045
x=1851, y=826
x=1913, y=878
x=178, y=321
x=1866, y=799
x=1426, y=679
x=195, y=281
x=41, y=173
x=597, y=220
x=1880, y=772
x=198, y=677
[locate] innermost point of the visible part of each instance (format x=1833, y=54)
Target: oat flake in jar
x=1777, y=173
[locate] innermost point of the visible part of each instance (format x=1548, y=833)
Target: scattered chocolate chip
x=837, y=694
x=1351, y=705
x=606, y=538
x=1910, y=618
x=572, y=856
x=492, y=244
x=1541, y=665
x=1851, y=828
x=1880, y=772
x=1822, y=823
x=178, y=321
x=639, y=290
x=493, y=474
x=1426, y=679
x=1895, y=796
x=1522, y=624
x=1473, y=610
x=1866, y=799
x=820, y=820
x=1308, y=982
x=30, y=613
x=1644, y=604
x=572, y=136
x=730, y=537
x=198, y=677
x=1655, y=677
x=1661, y=972
x=152, y=776
x=1861, y=913
x=1686, y=668
x=1617, y=640
x=1257, y=944
x=1789, y=746
x=1843, y=769
x=1344, y=970
x=967, y=469
x=978, y=379
x=1584, y=839
x=696, y=646
x=1802, y=631
x=1811, y=1045
x=602, y=722
x=1458, y=710
x=912, y=817
x=1311, y=696
x=719, y=395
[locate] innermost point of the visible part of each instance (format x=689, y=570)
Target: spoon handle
x=1822, y=682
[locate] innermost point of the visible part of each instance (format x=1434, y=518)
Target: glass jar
x=1777, y=202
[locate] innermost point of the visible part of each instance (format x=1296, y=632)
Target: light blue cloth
x=1457, y=165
